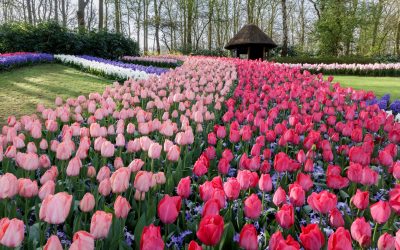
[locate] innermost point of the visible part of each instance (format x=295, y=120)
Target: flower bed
x=102, y=68
x=72, y=163
x=158, y=61
x=376, y=69
x=147, y=69
x=11, y=60
x=222, y=153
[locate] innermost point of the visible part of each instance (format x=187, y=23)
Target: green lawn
x=380, y=85
x=23, y=88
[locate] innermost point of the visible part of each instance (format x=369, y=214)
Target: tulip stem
x=375, y=230
x=262, y=201
x=26, y=216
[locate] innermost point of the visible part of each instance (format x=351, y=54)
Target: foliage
x=333, y=59
x=52, y=38
x=206, y=52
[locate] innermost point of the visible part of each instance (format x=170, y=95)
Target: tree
x=81, y=14
x=101, y=14
x=117, y=8
x=285, y=29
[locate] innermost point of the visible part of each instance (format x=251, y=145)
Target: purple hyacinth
x=395, y=107
x=21, y=59
x=382, y=104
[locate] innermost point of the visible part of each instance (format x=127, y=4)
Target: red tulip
x=336, y=218
x=361, y=231
x=168, y=208
x=183, y=188
x=194, y=246
x=210, y=230
x=380, y=211
x=279, y=197
x=232, y=188
x=311, y=237
x=385, y=158
x=285, y=216
x=252, y=206
x=201, y=166
x=223, y=166
x=360, y=199
x=212, y=138
x=277, y=242
x=296, y=195
x=248, y=237
x=265, y=183
x=151, y=238
x=305, y=181
x=322, y=202
x=211, y=207
x=340, y=240
x=386, y=242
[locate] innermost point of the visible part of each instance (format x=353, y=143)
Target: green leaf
x=34, y=232
x=227, y=237
x=139, y=229
x=343, y=194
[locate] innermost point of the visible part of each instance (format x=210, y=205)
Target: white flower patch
x=103, y=68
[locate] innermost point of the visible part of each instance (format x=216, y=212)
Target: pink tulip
x=100, y=224
x=12, y=232
x=55, y=208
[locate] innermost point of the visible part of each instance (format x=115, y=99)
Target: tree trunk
x=117, y=16
x=137, y=20
x=56, y=10
x=250, y=11
x=284, y=51
x=63, y=13
x=145, y=26
x=106, y=17
x=398, y=38
x=29, y=6
x=157, y=10
x=190, y=23
x=81, y=14
x=302, y=25
x=101, y=14
x=377, y=17
x=210, y=15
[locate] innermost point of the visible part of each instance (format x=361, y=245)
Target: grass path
x=23, y=88
x=380, y=85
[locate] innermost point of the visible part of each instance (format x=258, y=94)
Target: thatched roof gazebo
x=250, y=41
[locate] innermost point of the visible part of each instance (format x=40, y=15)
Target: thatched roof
x=250, y=34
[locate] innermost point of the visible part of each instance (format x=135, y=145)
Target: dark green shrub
x=55, y=39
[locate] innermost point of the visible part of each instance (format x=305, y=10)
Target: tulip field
x=218, y=153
